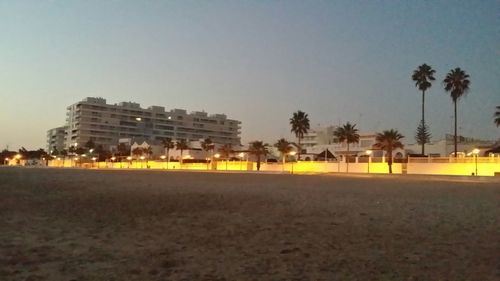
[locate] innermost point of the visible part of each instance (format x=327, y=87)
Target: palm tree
x=300, y=126
x=168, y=144
x=258, y=148
x=456, y=84
x=181, y=145
x=423, y=76
x=225, y=151
x=349, y=134
x=497, y=116
x=207, y=145
x=283, y=147
x=389, y=140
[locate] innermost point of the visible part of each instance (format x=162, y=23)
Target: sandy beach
x=70, y=224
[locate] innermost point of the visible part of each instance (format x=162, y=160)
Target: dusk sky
x=256, y=61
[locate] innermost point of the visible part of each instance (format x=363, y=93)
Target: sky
x=256, y=61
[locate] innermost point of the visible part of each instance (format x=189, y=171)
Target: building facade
x=104, y=124
x=56, y=138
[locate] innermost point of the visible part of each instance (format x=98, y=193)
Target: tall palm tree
x=456, y=84
x=283, y=147
x=300, y=126
x=168, y=144
x=389, y=140
x=258, y=148
x=349, y=134
x=497, y=116
x=181, y=145
x=423, y=76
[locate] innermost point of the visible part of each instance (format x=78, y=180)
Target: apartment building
x=94, y=119
x=56, y=138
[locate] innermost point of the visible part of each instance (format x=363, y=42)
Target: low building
x=446, y=146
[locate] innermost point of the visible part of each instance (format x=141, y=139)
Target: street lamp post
x=292, y=153
x=163, y=160
x=129, y=158
x=217, y=155
x=142, y=161
x=369, y=153
x=475, y=151
x=241, y=155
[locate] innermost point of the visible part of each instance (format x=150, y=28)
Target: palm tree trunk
x=300, y=149
x=258, y=162
x=347, y=158
x=455, y=137
x=389, y=160
x=423, y=120
x=168, y=157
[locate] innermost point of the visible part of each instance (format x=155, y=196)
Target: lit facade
x=94, y=119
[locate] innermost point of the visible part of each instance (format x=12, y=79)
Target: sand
x=68, y=224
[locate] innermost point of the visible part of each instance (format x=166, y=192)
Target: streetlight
x=93, y=161
x=241, y=155
x=129, y=159
x=7, y=160
x=369, y=153
x=292, y=153
x=142, y=162
x=217, y=156
x=163, y=159
x=475, y=151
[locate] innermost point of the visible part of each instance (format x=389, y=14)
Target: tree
x=283, y=147
x=181, y=145
x=389, y=140
x=456, y=84
x=90, y=144
x=300, y=126
x=168, y=144
x=225, y=151
x=497, y=116
x=207, y=145
x=137, y=151
x=349, y=134
x=422, y=135
x=148, y=151
x=123, y=149
x=423, y=76
x=258, y=148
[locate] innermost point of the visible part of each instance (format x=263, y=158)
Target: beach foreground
x=69, y=224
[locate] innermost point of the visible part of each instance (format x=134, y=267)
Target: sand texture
x=69, y=224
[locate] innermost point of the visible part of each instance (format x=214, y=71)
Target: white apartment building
x=56, y=138
x=94, y=119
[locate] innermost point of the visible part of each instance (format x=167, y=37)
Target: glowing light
x=163, y=157
x=7, y=159
x=369, y=152
x=142, y=157
x=58, y=158
x=187, y=157
x=475, y=151
x=76, y=158
x=91, y=150
x=113, y=158
x=138, y=118
x=18, y=156
x=129, y=158
x=292, y=153
x=217, y=155
x=84, y=155
x=241, y=155
x=94, y=158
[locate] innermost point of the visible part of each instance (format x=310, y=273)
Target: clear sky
x=256, y=61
